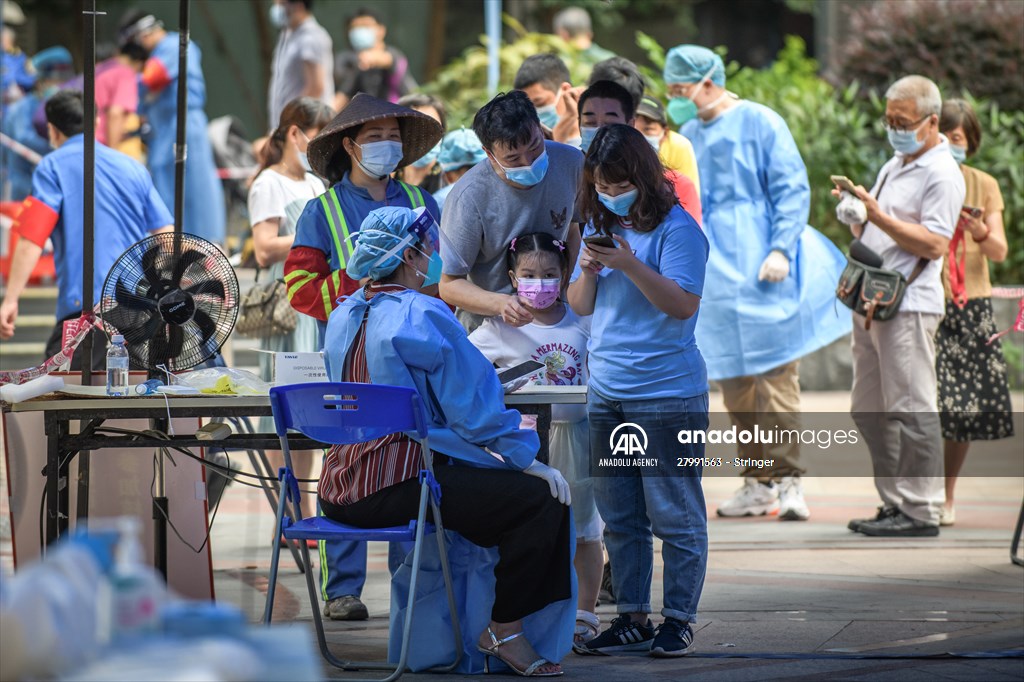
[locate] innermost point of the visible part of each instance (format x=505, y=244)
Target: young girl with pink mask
x=538, y=265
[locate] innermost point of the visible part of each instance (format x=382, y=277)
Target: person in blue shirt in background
x=16, y=75
x=647, y=372
x=158, y=101
x=53, y=66
x=460, y=151
x=770, y=275
x=128, y=208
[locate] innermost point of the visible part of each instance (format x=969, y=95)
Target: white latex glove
x=851, y=210
x=775, y=268
x=559, y=486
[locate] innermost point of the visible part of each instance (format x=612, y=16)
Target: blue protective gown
x=17, y=124
x=204, y=195
x=416, y=341
x=756, y=199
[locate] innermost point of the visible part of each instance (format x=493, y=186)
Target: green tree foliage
x=960, y=44
x=462, y=84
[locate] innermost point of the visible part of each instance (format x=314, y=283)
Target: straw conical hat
x=419, y=132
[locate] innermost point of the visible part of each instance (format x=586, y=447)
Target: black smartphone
x=525, y=369
x=600, y=240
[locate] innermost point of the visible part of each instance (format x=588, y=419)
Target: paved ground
x=810, y=590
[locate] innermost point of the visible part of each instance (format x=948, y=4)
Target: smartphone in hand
x=844, y=183
x=600, y=240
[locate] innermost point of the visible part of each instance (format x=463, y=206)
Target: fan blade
x=206, y=325
x=130, y=299
x=186, y=260
x=177, y=340
x=139, y=333
x=149, y=266
x=123, y=318
x=213, y=287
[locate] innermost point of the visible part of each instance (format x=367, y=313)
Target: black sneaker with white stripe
x=672, y=638
x=622, y=635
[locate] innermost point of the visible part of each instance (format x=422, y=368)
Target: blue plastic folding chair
x=346, y=413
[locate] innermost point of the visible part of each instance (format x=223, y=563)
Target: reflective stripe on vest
x=335, y=217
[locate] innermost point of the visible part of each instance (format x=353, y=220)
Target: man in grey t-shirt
x=525, y=185
x=303, y=63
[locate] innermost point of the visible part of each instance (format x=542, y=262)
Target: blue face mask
x=528, y=176
x=619, y=205
x=278, y=15
x=587, y=135
x=905, y=141
x=548, y=115
x=959, y=152
x=433, y=274
x=380, y=158
x=362, y=38
x=681, y=110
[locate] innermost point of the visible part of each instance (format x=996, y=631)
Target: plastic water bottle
x=117, y=367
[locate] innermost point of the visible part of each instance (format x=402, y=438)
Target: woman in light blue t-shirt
x=648, y=387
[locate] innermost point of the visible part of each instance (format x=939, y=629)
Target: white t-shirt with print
x=273, y=195
x=561, y=347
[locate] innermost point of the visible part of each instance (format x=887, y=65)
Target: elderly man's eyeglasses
x=900, y=127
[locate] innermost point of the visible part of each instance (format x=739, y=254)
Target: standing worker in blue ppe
x=52, y=66
x=158, y=98
x=16, y=74
x=356, y=153
x=769, y=296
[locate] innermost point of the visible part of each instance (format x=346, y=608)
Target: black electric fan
x=174, y=298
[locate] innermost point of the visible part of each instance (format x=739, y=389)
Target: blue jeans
x=665, y=500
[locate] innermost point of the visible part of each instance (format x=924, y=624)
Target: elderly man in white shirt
x=912, y=212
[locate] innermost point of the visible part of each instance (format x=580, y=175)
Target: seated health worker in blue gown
x=493, y=490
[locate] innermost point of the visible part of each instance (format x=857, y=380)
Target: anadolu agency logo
x=629, y=440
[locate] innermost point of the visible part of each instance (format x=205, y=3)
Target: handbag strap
x=922, y=263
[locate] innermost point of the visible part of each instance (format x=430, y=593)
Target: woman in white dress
x=280, y=191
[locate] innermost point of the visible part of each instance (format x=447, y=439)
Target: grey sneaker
x=347, y=607
x=883, y=513
x=672, y=638
x=899, y=525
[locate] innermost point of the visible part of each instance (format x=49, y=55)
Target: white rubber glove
x=775, y=268
x=559, y=486
x=851, y=210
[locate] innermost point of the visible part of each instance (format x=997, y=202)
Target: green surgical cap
x=693, y=63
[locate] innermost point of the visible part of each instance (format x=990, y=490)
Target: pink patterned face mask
x=539, y=293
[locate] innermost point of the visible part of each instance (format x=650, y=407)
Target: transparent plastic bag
x=224, y=381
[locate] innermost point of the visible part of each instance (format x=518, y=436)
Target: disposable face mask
x=278, y=15
x=380, y=158
x=433, y=273
x=683, y=109
x=539, y=293
x=528, y=176
x=959, y=152
x=362, y=38
x=619, y=205
x=548, y=115
x=303, y=156
x=654, y=140
x=905, y=141
x=587, y=135
x=428, y=158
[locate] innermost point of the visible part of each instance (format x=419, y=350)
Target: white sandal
x=530, y=671
x=587, y=627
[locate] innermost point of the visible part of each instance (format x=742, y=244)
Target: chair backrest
x=344, y=413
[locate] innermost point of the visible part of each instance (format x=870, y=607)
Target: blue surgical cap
x=53, y=60
x=693, y=63
x=460, y=148
x=381, y=231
